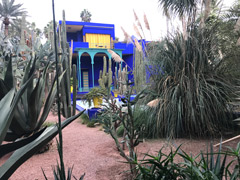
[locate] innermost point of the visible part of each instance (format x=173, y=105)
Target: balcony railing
x=101, y=45
x=127, y=48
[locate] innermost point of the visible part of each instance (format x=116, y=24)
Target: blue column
x=93, y=73
x=92, y=54
x=79, y=72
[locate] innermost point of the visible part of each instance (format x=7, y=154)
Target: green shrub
x=91, y=124
x=84, y=118
x=120, y=131
x=192, y=96
x=209, y=165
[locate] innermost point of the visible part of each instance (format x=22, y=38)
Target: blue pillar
x=92, y=54
x=93, y=73
x=79, y=72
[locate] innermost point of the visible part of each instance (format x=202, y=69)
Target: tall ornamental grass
x=193, y=96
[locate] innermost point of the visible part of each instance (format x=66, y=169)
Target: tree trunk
x=6, y=22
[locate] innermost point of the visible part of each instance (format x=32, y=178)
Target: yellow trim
x=98, y=40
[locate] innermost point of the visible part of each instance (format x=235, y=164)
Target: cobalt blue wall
x=72, y=36
x=95, y=28
x=127, y=48
x=79, y=36
x=129, y=60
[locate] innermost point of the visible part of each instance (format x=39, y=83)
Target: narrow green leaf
x=24, y=153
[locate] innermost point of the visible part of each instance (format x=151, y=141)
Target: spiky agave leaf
x=24, y=153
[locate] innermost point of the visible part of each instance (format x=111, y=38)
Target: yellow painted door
x=98, y=40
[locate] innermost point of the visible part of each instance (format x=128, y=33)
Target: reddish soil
x=91, y=151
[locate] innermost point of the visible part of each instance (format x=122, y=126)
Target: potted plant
x=95, y=94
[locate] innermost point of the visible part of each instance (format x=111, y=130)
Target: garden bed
x=93, y=152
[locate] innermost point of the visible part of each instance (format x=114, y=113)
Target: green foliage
x=65, y=61
x=25, y=148
x=113, y=116
x=9, y=10
x=120, y=131
x=28, y=117
x=91, y=124
x=143, y=115
x=84, y=118
x=209, y=165
x=74, y=76
x=48, y=124
x=139, y=69
x=105, y=78
x=94, y=92
x=193, y=95
x=85, y=15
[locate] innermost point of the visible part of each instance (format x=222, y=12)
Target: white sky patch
x=119, y=13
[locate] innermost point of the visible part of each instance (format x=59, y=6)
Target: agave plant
x=23, y=112
x=28, y=117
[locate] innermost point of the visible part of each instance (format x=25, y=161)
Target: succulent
x=94, y=92
x=105, y=78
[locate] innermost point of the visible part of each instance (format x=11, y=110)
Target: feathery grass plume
x=115, y=56
x=136, y=30
x=127, y=36
x=138, y=22
x=146, y=22
x=138, y=46
x=136, y=19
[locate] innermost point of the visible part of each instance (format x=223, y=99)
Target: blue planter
x=92, y=113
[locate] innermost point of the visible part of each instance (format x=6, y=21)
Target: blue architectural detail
x=89, y=58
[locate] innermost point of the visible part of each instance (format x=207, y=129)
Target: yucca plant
x=192, y=96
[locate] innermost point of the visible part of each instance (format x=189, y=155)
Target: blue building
x=90, y=43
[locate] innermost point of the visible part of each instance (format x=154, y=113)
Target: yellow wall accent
x=98, y=40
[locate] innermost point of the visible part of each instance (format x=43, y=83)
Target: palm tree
x=178, y=7
x=9, y=10
x=85, y=15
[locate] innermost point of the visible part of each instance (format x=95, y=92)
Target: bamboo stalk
x=228, y=140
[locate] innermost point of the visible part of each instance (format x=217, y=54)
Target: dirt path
x=91, y=151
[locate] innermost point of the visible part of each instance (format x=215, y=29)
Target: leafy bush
x=202, y=166
x=94, y=92
x=113, y=116
x=84, y=118
x=192, y=96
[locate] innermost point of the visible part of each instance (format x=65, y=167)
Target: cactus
x=74, y=75
x=105, y=78
x=65, y=59
x=110, y=74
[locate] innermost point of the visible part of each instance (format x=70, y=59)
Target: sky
x=117, y=12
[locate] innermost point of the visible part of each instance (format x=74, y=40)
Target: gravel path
x=92, y=152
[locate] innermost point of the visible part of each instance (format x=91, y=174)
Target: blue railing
x=127, y=48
